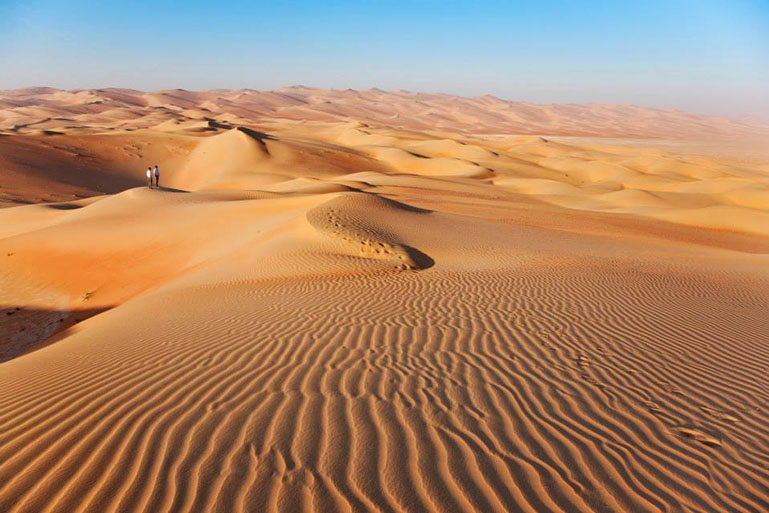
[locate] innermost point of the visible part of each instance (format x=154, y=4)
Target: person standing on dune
x=157, y=176
x=149, y=177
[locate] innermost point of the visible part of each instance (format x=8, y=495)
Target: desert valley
x=343, y=300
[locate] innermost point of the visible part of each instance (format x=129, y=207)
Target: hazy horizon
x=734, y=116
x=708, y=57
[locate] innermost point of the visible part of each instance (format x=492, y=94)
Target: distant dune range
x=379, y=301
x=38, y=109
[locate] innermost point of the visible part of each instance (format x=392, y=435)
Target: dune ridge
x=719, y=192
x=335, y=316
x=35, y=110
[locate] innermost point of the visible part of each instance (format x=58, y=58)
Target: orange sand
x=349, y=314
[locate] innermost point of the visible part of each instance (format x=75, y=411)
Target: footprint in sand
x=651, y=406
x=592, y=380
x=700, y=436
x=719, y=414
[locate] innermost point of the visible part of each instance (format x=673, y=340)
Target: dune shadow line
x=63, y=206
x=23, y=330
x=423, y=260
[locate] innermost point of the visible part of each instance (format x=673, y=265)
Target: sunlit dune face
x=320, y=311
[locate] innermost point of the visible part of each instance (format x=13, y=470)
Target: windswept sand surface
x=44, y=109
x=341, y=316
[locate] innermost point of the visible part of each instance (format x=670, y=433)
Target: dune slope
x=337, y=317
x=46, y=110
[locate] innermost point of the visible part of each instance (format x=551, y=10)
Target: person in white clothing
x=149, y=177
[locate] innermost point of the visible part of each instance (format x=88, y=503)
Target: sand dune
x=24, y=110
x=342, y=316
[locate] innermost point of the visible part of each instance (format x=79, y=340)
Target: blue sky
x=702, y=55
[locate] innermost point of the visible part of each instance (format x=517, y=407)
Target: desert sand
x=379, y=301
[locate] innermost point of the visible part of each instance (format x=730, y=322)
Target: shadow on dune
x=23, y=330
x=169, y=189
x=216, y=125
x=259, y=136
x=398, y=204
x=63, y=206
x=422, y=260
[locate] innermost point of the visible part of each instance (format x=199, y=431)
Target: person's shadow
x=168, y=189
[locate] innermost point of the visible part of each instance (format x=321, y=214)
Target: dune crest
x=348, y=218
x=23, y=110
